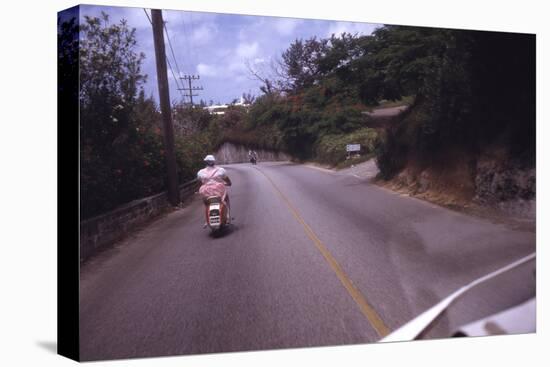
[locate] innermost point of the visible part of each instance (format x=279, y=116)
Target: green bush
x=331, y=149
x=390, y=155
x=121, y=153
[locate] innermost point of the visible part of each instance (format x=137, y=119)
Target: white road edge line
x=326, y=170
x=331, y=171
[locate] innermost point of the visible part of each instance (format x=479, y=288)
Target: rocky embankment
x=508, y=184
x=493, y=185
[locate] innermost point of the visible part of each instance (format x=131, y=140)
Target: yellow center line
x=368, y=311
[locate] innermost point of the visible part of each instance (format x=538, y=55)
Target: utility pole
x=164, y=96
x=191, y=89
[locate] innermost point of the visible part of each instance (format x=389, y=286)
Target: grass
x=331, y=149
x=353, y=161
x=405, y=101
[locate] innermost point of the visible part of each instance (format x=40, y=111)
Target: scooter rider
x=213, y=179
x=252, y=156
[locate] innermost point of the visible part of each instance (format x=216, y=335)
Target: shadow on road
x=226, y=231
x=360, y=181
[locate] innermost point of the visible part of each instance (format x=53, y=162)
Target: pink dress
x=212, y=179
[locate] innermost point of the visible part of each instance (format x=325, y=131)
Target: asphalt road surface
x=314, y=258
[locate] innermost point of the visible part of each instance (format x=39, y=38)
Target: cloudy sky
x=217, y=46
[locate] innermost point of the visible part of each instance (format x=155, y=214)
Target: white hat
x=209, y=158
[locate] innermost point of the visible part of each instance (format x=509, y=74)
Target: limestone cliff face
x=232, y=153
x=508, y=184
x=504, y=180
x=494, y=180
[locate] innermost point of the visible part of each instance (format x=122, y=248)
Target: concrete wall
x=104, y=230
x=231, y=153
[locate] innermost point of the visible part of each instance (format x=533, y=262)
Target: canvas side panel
x=68, y=263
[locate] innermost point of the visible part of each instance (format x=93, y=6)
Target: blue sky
x=218, y=46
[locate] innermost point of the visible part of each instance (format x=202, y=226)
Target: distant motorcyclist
x=252, y=156
x=213, y=179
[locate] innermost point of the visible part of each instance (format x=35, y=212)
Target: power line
x=172, y=71
x=167, y=59
x=172, y=50
x=191, y=51
x=191, y=89
x=182, y=48
x=187, y=43
x=175, y=60
x=148, y=17
x=195, y=57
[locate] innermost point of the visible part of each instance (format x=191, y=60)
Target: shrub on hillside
x=390, y=155
x=331, y=149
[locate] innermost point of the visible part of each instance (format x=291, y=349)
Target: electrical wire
x=190, y=50
x=172, y=49
x=176, y=80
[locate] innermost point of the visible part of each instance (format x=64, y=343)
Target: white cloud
x=243, y=34
x=240, y=78
x=235, y=63
x=204, y=33
x=286, y=26
x=247, y=50
x=207, y=70
x=237, y=67
x=194, y=17
x=252, y=29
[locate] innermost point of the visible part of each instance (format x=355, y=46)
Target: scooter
x=217, y=213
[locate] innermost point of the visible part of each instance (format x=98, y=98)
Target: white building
x=219, y=109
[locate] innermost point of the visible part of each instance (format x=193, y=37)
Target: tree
x=110, y=75
x=120, y=138
x=248, y=98
x=67, y=47
x=188, y=121
x=267, y=76
x=301, y=63
x=340, y=51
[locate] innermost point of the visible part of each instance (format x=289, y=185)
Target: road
x=315, y=258
x=387, y=111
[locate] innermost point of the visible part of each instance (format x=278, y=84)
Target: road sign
x=353, y=147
